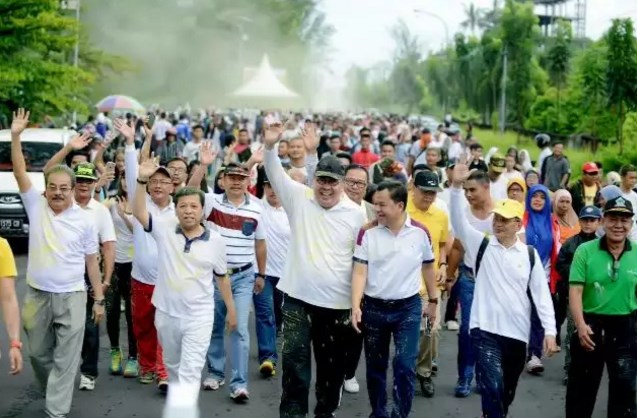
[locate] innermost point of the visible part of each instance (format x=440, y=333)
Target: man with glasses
x=86, y=179
x=355, y=186
x=178, y=170
x=603, y=302
x=62, y=247
x=585, y=191
x=316, y=280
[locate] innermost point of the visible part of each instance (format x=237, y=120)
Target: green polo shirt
x=609, y=287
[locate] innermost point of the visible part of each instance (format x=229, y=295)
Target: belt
x=239, y=269
x=390, y=303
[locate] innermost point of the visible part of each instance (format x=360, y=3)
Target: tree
x=559, y=56
x=622, y=72
x=405, y=80
x=474, y=18
x=36, y=44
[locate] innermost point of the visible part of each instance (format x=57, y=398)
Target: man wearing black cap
x=589, y=219
x=603, y=302
x=316, y=280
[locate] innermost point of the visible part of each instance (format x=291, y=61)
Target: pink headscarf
x=571, y=217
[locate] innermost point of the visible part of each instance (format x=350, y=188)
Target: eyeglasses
x=356, y=183
x=156, y=182
x=176, y=170
x=62, y=189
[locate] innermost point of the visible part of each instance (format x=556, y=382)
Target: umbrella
x=119, y=103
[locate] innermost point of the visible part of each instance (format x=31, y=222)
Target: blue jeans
x=265, y=321
x=381, y=320
x=242, y=291
x=500, y=361
x=466, y=354
x=536, y=340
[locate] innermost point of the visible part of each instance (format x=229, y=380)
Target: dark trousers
x=499, y=363
x=91, y=342
x=265, y=322
x=615, y=339
x=277, y=295
x=451, y=311
x=560, y=306
x=353, y=351
x=120, y=290
x=305, y=328
x=381, y=320
x=536, y=339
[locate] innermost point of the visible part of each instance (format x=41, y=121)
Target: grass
x=488, y=138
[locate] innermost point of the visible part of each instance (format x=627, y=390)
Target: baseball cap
x=427, y=181
x=163, y=170
x=590, y=167
x=619, y=205
x=509, y=209
x=235, y=169
x=497, y=163
x=590, y=212
x=85, y=171
x=330, y=166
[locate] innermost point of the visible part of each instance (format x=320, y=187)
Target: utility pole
x=503, y=93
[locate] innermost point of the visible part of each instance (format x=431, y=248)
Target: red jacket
x=365, y=158
x=554, y=276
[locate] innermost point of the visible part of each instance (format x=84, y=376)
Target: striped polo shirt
x=239, y=226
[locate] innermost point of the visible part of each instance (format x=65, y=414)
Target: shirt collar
x=245, y=195
x=603, y=245
x=205, y=235
x=518, y=246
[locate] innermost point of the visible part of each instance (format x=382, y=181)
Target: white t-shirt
x=58, y=245
x=455, y=150
x=161, y=127
x=124, y=248
x=184, y=287
x=191, y=151
x=632, y=197
x=102, y=218
x=499, y=188
x=277, y=238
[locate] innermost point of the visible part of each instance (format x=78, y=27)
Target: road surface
x=117, y=397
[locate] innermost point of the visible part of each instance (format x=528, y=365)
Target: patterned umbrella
x=118, y=103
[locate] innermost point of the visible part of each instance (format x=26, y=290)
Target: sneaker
x=463, y=389
x=162, y=385
x=534, y=366
x=146, y=378
x=452, y=325
x=87, y=383
x=239, y=395
x=132, y=367
x=434, y=367
x=267, y=369
x=351, y=385
x=427, y=386
x=116, y=361
x=212, y=383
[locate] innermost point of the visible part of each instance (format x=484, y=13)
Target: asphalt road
x=117, y=397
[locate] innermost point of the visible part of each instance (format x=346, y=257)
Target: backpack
x=483, y=248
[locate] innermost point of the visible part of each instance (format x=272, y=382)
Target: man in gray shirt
x=556, y=169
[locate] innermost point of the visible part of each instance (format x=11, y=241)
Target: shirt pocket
x=248, y=227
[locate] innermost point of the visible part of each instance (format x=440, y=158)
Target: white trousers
x=185, y=344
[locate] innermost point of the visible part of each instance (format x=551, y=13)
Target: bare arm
x=359, y=281
x=226, y=293
x=575, y=304
x=139, y=206
x=207, y=157
x=10, y=310
x=76, y=143
x=93, y=272
x=261, y=253
x=108, y=251
x=18, y=125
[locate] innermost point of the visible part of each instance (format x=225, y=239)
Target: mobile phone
x=110, y=166
x=151, y=120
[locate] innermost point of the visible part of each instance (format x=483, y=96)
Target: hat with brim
x=509, y=209
x=590, y=212
x=236, y=171
x=162, y=170
x=427, y=181
x=328, y=174
x=497, y=163
x=330, y=166
x=619, y=206
x=85, y=171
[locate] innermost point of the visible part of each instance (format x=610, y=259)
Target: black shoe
x=427, y=386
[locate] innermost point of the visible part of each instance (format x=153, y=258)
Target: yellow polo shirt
x=7, y=263
x=437, y=222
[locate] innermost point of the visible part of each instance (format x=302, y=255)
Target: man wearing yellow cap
x=501, y=310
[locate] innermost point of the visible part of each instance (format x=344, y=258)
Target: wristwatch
x=434, y=300
x=261, y=275
x=99, y=302
x=16, y=344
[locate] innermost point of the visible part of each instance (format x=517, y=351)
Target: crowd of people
x=343, y=233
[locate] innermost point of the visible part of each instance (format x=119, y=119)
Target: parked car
x=38, y=146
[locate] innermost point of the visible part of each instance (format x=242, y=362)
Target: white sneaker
x=212, y=383
x=351, y=385
x=534, y=366
x=240, y=395
x=452, y=325
x=87, y=383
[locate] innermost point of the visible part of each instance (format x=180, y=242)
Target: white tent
x=264, y=84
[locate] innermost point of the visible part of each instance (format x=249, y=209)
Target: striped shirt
x=239, y=226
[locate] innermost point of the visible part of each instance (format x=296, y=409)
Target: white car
x=38, y=146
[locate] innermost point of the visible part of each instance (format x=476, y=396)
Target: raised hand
x=148, y=168
x=128, y=131
x=207, y=153
x=20, y=121
x=310, y=138
x=272, y=134
x=80, y=141
x=122, y=206
x=460, y=171
x=257, y=156
x=148, y=130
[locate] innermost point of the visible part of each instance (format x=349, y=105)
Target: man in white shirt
x=62, y=247
x=391, y=257
x=317, y=278
x=500, y=319
x=86, y=179
x=189, y=256
x=499, y=181
x=192, y=149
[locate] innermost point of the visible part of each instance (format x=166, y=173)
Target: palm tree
x=474, y=18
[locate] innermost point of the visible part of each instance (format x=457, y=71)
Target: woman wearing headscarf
x=564, y=215
x=516, y=189
x=532, y=178
x=524, y=159
x=542, y=233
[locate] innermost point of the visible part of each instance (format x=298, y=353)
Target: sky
x=362, y=26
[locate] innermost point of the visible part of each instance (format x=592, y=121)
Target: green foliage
x=629, y=130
